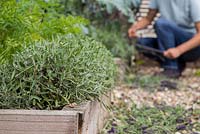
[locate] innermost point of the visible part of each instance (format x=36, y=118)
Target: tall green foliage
x=97, y=7
x=124, y=6
x=32, y=20
x=115, y=42
x=111, y=18
x=13, y=26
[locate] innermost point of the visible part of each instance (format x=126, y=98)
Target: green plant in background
x=98, y=8
x=124, y=6
x=28, y=21
x=115, y=42
x=73, y=7
x=62, y=26
x=50, y=75
x=13, y=26
x=148, y=82
x=110, y=20
x=31, y=20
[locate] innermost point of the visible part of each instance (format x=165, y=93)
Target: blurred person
x=178, y=33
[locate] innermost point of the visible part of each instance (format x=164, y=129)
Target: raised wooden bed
x=87, y=118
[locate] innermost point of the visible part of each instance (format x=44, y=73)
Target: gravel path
x=144, y=89
x=186, y=95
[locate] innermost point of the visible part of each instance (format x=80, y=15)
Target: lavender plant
x=50, y=75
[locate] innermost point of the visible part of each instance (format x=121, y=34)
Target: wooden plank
x=95, y=116
x=38, y=122
x=143, y=10
x=35, y=112
x=92, y=115
x=38, y=118
x=144, y=6
x=39, y=126
x=24, y=132
x=87, y=118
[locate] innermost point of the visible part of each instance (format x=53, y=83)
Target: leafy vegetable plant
x=27, y=21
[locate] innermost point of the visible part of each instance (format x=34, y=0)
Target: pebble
x=194, y=86
x=184, y=132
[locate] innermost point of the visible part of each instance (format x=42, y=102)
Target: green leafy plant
x=27, y=21
x=12, y=28
x=148, y=82
x=97, y=8
x=50, y=75
x=124, y=6
x=115, y=42
x=112, y=31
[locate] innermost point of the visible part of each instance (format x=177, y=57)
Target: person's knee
x=141, y=41
x=150, y=42
x=144, y=41
x=161, y=23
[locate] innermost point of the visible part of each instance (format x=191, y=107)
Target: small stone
x=181, y=127
x=184, y=132
x=180, y=120
x=196, y=133
x=112, y=130
x=194, y=86
x=193, y=129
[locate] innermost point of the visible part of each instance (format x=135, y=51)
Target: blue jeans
x=170, y=35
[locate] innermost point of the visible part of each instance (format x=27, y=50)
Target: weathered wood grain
x=92, y=115
x=38, y=122
x=87, y=118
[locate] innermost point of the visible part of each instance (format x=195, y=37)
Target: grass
x=148, y=82
x=145, y=82
x=156, y=120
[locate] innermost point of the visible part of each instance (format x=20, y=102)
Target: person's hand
x=132, y=31
x=172, y=53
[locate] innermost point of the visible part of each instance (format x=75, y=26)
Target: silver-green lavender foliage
x=49, y=75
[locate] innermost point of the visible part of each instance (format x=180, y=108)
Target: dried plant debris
x=152, y=120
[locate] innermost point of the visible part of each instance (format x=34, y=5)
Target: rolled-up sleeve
x=195, y=10
x=153, y=4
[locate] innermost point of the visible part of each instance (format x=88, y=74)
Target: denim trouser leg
x=170, y=35
x=149, y=42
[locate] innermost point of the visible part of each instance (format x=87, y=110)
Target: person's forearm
x=147, y=20
x=142, y=23
x=192, y=43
